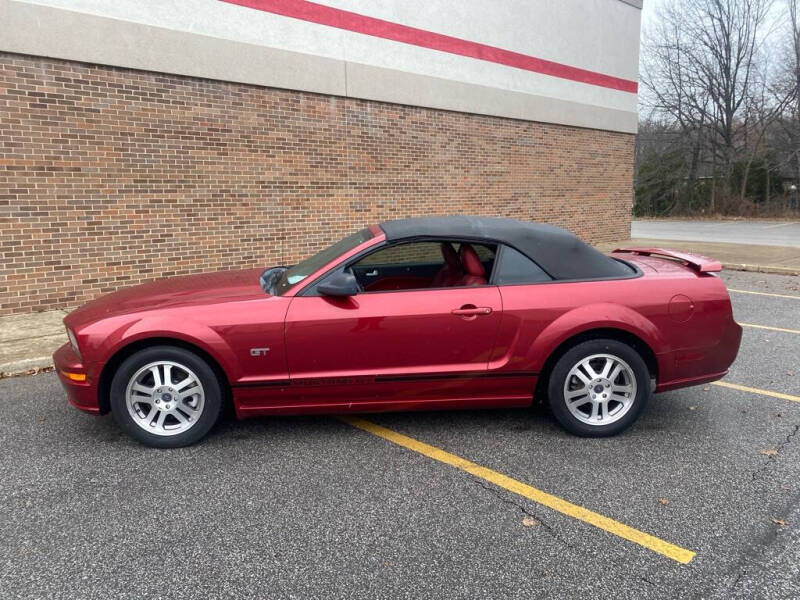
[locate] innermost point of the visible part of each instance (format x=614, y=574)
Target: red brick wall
x=110, y=177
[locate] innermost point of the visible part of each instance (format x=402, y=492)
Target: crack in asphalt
x=751, y=558
x=736, y=581
x=502, y=497
x=723, y=593
x=771, y=459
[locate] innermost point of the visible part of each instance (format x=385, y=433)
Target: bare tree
x=766, y=101
x=706, y=75
x=787, y=139
x=670, y=95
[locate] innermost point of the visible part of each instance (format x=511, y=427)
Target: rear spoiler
x=702, y=264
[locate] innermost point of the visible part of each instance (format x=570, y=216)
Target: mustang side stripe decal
x=380, y=378
x=367, y=379
x=350, y=21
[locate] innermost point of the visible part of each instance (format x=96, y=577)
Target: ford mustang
x=425, y=313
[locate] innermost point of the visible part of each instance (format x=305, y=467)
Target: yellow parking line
x=770, y=328
x=646, y=540
x=744, y=388
x=764, y=294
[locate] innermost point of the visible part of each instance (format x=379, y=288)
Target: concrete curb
x=761, y=269
x=27, y=366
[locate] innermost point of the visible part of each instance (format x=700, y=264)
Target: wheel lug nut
x=158, y=401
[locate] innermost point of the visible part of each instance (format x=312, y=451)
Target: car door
x=425, y=343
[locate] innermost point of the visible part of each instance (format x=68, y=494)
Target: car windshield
x=294, y=275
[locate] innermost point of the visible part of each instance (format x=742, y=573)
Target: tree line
x=719, y=129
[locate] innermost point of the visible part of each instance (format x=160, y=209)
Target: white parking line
x=779, y=225
x=764, y=294
x=770, y=328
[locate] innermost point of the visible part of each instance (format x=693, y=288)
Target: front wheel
x=165, y=397
x=599, y=388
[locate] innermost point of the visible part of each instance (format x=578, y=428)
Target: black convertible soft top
x=555, y=250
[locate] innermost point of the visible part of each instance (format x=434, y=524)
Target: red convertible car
x=427, y=313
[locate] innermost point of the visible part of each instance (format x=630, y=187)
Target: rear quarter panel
x=681, y=316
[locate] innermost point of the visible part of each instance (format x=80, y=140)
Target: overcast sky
x=648, y=8
x=648, y=11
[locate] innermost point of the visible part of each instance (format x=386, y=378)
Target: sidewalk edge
x=761, y=268
x=22, y=367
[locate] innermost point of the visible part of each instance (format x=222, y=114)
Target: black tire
x=211, y=388
x=571, y=358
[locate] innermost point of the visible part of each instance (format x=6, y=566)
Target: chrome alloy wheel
x=165, y=398
x=600, y=389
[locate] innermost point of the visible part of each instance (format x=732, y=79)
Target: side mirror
x=342, y=283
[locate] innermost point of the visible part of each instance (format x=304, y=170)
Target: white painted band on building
x=218, y=40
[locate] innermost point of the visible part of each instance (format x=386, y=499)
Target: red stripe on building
x=350, y=21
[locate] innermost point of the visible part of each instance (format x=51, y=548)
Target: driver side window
x=428, y=264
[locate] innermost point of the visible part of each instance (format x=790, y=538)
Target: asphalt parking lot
x=318, y=508
x=753, y=232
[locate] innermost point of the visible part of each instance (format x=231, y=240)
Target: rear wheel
x=599, y=388
x=166, y=397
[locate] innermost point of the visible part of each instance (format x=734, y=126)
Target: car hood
x=189, y=290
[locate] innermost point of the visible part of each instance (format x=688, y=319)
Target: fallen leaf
x=779, y=522
x=664, y=501
x=530, y=522
x=692, y=408
x=790, y=374
x=769, y=452
x=705, y=389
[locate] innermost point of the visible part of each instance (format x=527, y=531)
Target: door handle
x=471, y=311
x=372, y=273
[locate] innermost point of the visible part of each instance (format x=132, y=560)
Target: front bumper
x=81, y=394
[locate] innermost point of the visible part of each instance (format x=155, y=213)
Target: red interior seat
x=474, y=274
x=451, y=272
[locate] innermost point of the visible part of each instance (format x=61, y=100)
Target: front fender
x=185, y=330
x=591, y=317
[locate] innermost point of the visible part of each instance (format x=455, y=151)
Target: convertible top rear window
x=515, y=268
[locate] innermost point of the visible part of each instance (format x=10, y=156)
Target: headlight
x=73, y=341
